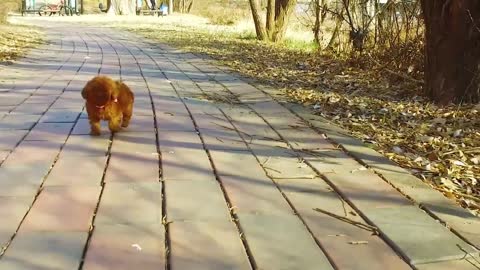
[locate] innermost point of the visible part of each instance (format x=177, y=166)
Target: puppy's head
x=99, y=91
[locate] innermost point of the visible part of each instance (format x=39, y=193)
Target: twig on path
x=268, y=168
x=353, y=222
x=468, y=254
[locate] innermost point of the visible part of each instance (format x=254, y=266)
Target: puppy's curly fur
x=106, y=99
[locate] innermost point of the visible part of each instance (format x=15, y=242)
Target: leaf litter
x=16, y=40
x=440, y=145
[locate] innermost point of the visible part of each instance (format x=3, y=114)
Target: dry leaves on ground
x=439, y=145
x=15, y=40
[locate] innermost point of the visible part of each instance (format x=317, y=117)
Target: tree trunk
x=283, y=11
x=338, y=25
x=316, y=26
x=121, y=7
x=270, y=18
x=259, y=28
x=452, y=50
x=5, y=7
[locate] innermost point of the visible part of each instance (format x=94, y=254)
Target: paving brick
x=414, y=233
x=65, y=209
x=190, y=239
x=239, y=87
x=464, y=264
x=367, y=190
x=130, y=203
x=241, y=163
x=24, y=174
x=134, y=142
x=254, y=194
x=251, y=125
x=143, y=111
x=168, y=122
x=18, y=188
x=60, y=116
x=86, y=145
x=197, y=106
x=10, y=138
x=251, y=97
x=177, y=140
x=186, y=164
x=73, y=104
x=186, y=200
x=41, y=250
x=10, y=98
x=293, y=250
x=285, y=122
x=334, y=234
x=169, y=105
x=12, y=211
x=305, y=138
x=18, y=121
x=82, y=127
x=3, y=155
x=286, y=167
x=126, y=247
x=223, y=140
x=49, y=131
x=28, y=108
x=77, y=171
x=331, y=161
x=456, y=218
x=34, y=152
x=133, y=167
x=269, y=108
x=445, y=209
x=140, y=124
x=270, y=147
x=212, y=122
x=237, y=110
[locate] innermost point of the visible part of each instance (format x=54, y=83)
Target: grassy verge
x=15, y=40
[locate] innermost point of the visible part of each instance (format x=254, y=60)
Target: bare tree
x=278, y=15
x=121, y=7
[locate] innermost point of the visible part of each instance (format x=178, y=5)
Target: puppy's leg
x=115, y=123
x=95, y=127
x=127, y=115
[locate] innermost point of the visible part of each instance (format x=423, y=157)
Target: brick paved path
x=198, y=184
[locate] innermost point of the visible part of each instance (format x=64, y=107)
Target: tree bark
x=270, y=18
x=452, y=50
x=259, y=28
x=283, y=11
x=121, y=7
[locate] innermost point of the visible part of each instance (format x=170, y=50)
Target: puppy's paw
x=95, y=132
x=125, y=123
x=114, y=128
x=95, y=128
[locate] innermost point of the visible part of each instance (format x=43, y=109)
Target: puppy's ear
x=114, y=92
x=85, y=92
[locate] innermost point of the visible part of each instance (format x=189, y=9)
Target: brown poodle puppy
x=108, y=100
